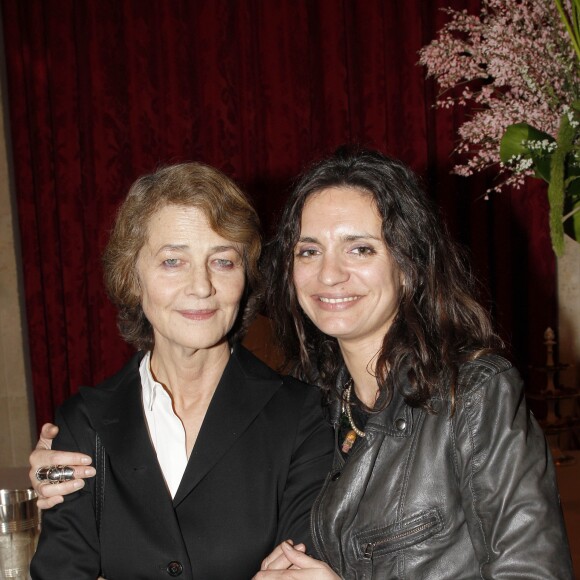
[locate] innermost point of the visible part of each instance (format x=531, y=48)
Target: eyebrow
x=173, y=247
x=348, y=238
x=213, y=249
x=217, y=249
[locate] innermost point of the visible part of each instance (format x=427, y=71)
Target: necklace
x=346, y=407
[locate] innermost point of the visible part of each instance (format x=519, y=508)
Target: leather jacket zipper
x=369, y=548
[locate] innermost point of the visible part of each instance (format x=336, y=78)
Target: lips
x=197, y=314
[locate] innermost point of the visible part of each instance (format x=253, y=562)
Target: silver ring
x=55, y=473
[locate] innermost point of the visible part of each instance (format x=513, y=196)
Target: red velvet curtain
x=101, y=92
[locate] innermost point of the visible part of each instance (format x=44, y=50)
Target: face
x=191, y=280
x=346, y=281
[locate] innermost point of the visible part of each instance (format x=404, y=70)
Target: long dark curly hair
x=439, y=324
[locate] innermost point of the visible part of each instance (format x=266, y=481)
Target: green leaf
x=559, y=168
x=542, y=167
x=573, y=189
x=576, y=226
x=514, y=144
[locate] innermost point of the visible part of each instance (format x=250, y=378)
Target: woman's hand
x=289, y=562
x=276, y=560
x=51, y=494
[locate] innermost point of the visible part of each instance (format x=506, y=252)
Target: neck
x=360, y=360
x=189, y=376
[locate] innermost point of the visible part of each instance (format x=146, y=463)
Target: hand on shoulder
x=49, y=494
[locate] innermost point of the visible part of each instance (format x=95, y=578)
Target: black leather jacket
x=433, y=496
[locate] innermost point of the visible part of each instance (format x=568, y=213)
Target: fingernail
x=78, y=483
x=85, y=460
x=90, y=471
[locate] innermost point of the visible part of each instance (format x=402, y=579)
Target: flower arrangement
x=517, y=64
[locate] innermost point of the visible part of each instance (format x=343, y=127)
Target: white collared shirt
x=165, y=427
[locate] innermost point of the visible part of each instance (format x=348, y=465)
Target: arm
x=69, y=546
x=311, y=461
x=507, y=482
x=50, y=495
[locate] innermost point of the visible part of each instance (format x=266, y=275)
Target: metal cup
x=19, y=520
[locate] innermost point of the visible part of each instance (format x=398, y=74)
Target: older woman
x=210, y=458
x=439, y=469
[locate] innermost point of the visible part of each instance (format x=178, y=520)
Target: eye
x=363, y=250
x=171, y=262
x=307, y=252
x=223, y=264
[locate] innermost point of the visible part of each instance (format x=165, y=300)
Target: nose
x=332, y=270
x=200, y=284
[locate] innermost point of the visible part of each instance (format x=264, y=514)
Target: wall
x=16, y=409
x=569, y=313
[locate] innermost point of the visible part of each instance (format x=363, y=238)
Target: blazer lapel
x=244, y=389
x=116, y=410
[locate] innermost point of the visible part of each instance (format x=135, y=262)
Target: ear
x=402, y=279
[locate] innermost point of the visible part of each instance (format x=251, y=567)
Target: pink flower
x=513, y=63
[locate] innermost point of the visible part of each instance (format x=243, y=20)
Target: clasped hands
x=289, y=562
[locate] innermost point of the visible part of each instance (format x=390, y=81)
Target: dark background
x=103, y=91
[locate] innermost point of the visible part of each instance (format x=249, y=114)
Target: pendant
x=348, y=441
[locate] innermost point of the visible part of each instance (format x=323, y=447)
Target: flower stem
x=571, y=24
x=570, y=214
x=565, y=141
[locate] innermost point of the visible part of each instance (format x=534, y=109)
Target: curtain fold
x=102, y=92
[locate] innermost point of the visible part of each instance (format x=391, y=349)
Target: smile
x=338, y=300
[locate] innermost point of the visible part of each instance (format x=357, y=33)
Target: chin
x=200, y=343
x=335, y=331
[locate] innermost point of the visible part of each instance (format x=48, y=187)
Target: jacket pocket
x=408, y=532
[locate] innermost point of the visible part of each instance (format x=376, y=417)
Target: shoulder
x=128, y=373
x=250, y=364
x=89, y=400
x=483, y=368
x=288, y=396
x=72, y=407
x=486, y=375
x=253, y=367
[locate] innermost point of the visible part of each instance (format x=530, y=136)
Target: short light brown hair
x=229, y=213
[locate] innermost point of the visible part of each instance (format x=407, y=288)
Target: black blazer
x=261, y=456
